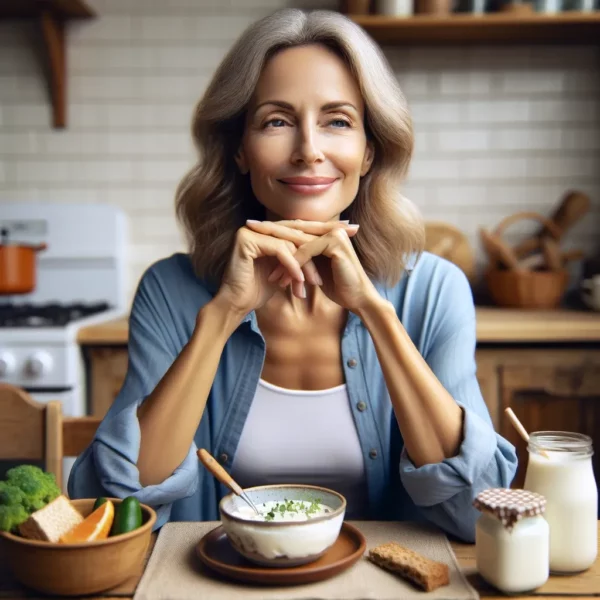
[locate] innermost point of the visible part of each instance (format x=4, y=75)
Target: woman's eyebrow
x=288, y=106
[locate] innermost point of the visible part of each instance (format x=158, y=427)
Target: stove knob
x=7, y=364
x=39, y=364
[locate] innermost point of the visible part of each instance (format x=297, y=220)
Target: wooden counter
x=581, y=585
x=494, y=325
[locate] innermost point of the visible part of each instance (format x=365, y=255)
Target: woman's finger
x=276, y=229
x=318, y=227
x=300, y=232
x=266, y=245
x=310, y=272
x=325, y=245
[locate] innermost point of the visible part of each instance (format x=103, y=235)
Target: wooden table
x=584, y=585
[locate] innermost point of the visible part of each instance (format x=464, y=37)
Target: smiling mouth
x=308, y=185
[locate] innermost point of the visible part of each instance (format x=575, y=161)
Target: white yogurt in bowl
x=283, y=511
x=297, y=523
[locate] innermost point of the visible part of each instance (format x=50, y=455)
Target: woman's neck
x=284, y=307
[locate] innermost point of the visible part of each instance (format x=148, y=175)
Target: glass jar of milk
x=512, y=539
x=560, y=468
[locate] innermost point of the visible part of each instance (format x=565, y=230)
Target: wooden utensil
x=572, y=208
x=450, y=243
x=552, y=254
x=498, y=251
x=534, y=261
x=223, y=476
x=528, y=245
x=519, y=427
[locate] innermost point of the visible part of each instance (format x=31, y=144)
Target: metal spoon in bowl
x=208, y=460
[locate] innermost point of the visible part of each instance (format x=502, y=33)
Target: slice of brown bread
x=423, y=572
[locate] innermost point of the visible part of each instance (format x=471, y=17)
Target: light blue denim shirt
x=434, y=304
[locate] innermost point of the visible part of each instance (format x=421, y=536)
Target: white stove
x=81, y=281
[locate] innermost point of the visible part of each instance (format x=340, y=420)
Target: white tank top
x=296, y=436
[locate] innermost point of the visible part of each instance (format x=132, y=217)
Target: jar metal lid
x=510, y=506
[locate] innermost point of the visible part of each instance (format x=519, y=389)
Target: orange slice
x=96, y=526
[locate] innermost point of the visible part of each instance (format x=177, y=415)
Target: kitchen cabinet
x=106, y=368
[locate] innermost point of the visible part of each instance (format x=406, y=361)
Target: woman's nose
x=307, y=148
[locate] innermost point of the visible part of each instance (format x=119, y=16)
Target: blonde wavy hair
x=214, y=199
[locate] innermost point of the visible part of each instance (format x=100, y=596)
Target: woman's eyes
x=342, y=121
x=273, y=121
x=277, y=123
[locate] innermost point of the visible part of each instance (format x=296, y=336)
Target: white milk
x=514, y=560
x=566, y=479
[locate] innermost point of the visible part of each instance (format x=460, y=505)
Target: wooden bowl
x=527, y=289
x=77, y=569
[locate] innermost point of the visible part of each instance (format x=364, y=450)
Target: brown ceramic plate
x=215, y=551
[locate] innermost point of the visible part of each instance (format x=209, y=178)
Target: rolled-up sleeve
x=108, y=467
x=444, y=492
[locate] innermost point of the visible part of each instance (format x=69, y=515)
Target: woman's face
x=304, y=143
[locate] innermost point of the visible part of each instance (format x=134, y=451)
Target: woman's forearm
x=170, y=415
x=429, y=419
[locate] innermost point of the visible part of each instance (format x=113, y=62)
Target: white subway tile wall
x=498, y=129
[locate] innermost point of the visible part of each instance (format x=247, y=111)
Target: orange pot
x=18, y=264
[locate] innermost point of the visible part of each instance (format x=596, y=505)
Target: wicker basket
x=524, y=288
x=527, y=289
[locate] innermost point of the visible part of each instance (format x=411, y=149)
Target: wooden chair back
x=32, y=431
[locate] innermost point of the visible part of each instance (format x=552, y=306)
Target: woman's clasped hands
x=270, y=255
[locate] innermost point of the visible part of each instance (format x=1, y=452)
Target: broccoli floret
x=10, y=495
x=11, y=516
x=38, y=487
x=12, y=509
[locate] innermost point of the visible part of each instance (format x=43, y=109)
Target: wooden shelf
x=495, y=28
x=30, y=9
x=52, y=16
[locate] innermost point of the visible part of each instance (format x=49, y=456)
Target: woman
x=305, y=338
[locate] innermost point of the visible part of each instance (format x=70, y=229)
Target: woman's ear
x=367, y=159
x=240, y=159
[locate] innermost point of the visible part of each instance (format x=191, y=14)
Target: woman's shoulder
x=433, y=291
x=171, y=284
x=174, y=274
x=434, y=275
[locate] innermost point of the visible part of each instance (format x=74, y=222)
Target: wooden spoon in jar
x=519, y=427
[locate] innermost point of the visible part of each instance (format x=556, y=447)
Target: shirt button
x=223, y=458
x=352, y=363
x=362, y=406
x=373, y=453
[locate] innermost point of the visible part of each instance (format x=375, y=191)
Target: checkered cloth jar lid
x=510, y=506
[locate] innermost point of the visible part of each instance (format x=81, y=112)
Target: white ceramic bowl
x=283, y=543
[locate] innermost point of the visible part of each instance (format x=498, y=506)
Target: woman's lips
x=308, y=185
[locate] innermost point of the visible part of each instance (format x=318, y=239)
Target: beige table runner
x=175, y=573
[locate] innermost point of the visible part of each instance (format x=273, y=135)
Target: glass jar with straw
x=560, y=469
